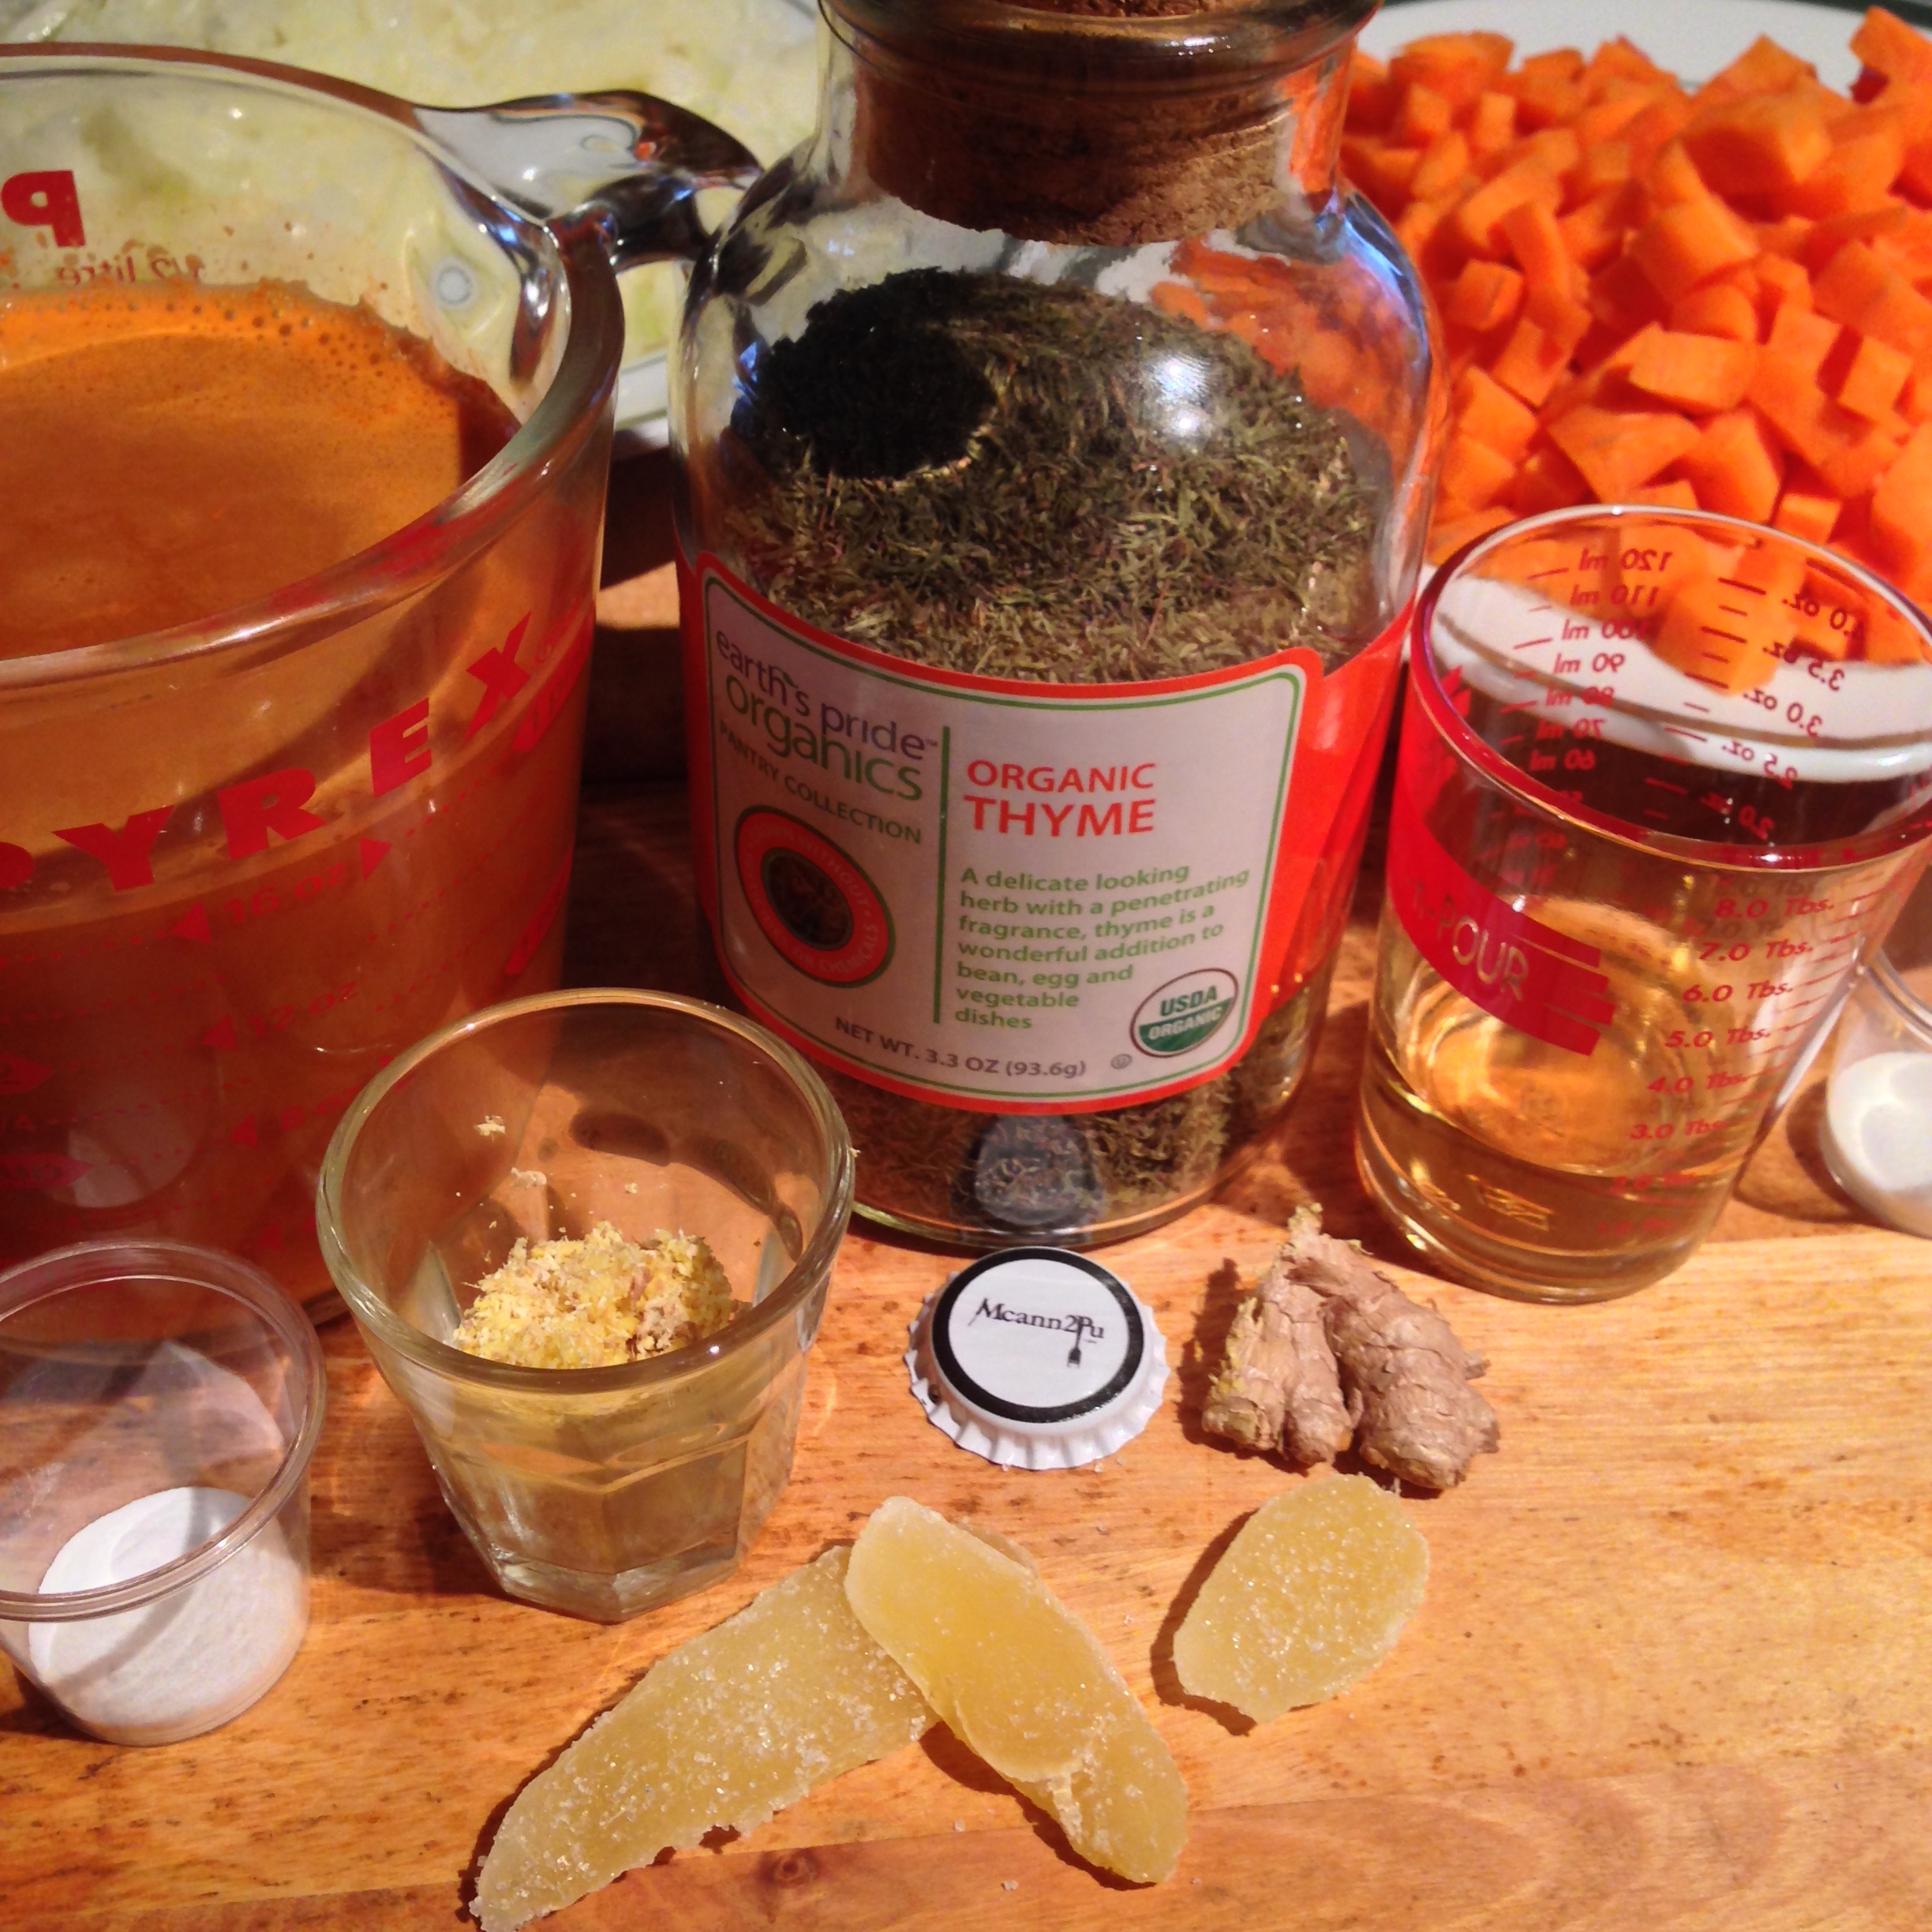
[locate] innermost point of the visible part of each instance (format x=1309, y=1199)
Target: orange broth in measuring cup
x=232, y=886
x=174, y=454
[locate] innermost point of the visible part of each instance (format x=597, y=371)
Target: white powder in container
x=190, y=1659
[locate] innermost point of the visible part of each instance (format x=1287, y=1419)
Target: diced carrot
x=1421, y=115
x=1603, y=164
x=1675, y=495
x=1594, y=232
x=1808, y=514
x=1735, y=466
x=1856, y=176
x=1916, y=403
x=1472, y=474
x=1803, y=337
x=1547, y=88
x=1828, y=236
x=1889, y=639
x=1848, y=454
x=1381, y=173
x=1492, y=125
x=1787, y=237
x=1607, y=116
x=1448, y=535
x=1530, y=363
x=1682, y=246
x=1887, y=46
x=1486, y=295
x=1672, y=177
x=1619, y=59
x=1372, y=94
x=1547, y=481
x=1785, y=280
x=1418, y=223
x=1665, y=117
x=1860, y=289
x=1874, y=382
x=1458, y=66
x=1175, y=298
x=1719, y=308
x=1444, y=162
x=1717, y=633
x=1823, y=618
x=1759, y=143
x=1530, y=229
x=1622, y=297
x=1486, y=410
x=1477, y=221
x=1763, y=68
x=1900, y=524
x=1700, y=373
x=1618, y=451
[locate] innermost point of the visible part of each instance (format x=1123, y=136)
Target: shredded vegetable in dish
x=748, y=65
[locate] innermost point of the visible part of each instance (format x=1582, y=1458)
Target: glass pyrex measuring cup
x=244, y=861
x=1665, y=779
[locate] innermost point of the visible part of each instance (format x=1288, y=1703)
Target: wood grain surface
x=1671, y=1673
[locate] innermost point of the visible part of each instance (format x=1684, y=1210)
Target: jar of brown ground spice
x=1054, y=430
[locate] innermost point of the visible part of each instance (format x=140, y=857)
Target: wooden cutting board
x=1672, y=1671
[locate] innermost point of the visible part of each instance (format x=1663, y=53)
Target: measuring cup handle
x=632, y=164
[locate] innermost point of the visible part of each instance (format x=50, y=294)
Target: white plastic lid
x=1038, y=1358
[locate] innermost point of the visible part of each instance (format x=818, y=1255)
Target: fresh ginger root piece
x=1403, y=1376
x=1308, y=1599
x=1022, y=1681
x=725, y=1730
x=1279, y=1387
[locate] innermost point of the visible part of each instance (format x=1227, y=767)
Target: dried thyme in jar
x=1041, y=616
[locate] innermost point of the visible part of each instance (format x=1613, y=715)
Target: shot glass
x=600, y=1491
x=159, y=1406
x=1665, y=779
x=1877, y=1135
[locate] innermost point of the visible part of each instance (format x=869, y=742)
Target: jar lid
x=1038, y=1358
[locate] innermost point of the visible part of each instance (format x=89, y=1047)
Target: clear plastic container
x=159, y=1406
x=604, y=1491
x=1877, y=1135
x=1053, y=430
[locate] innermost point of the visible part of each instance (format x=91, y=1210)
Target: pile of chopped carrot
x=1717, y=298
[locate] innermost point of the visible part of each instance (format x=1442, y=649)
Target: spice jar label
x=1007, y=895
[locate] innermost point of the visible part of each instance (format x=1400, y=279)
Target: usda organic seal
x=1178, y=1017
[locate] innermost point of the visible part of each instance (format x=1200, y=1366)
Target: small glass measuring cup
x=245, y=860
x=159, y=1406
x=1664, y=779
x=1876, y=1132
x=600, y=1492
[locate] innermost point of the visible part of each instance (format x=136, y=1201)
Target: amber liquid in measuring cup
x=1645, y=826
x=299, y=864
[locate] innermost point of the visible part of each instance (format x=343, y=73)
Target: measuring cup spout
x=635, y=166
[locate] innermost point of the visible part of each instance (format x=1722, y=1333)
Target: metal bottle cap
x=1038, y=1358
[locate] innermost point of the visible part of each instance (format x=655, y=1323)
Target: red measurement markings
x=250, y=1131
x=32, y=1174
x=230, y=1034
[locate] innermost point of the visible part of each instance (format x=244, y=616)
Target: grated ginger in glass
x=1308, y=1599
x=726, y=1730
x=1023, y=1681
x=596, y=1302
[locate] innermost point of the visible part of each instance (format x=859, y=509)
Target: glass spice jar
x=1054, y=430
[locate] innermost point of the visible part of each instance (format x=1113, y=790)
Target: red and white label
x=1537, y=979
x=1014, y=896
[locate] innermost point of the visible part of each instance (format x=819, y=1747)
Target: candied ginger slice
x=1306, y=1599
x=724, y=1730
x=1024, y=1683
